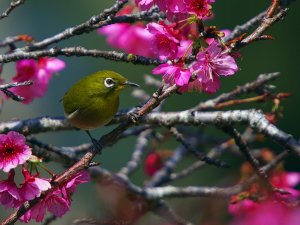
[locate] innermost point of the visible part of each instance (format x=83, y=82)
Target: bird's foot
x=97, y=145
x=134, y=116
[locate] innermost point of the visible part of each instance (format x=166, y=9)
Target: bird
x=94, y=100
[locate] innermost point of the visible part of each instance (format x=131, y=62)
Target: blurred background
x=41, y=19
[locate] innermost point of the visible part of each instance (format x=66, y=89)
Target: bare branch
x=132, y=164
x=253, y=86
x=79, y=29
x=264, y=26
x=14, y=4
x=163, y=175
x=243, y=147
x=79, y=51
x=213, y=153
x=254, y=118
x=240, y=29
x=36, y=125
x=216, y=192
x=103, y=19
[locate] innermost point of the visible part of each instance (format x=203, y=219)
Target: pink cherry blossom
x=40, y=72
x=32, y=186
x=53, y=202
x=9, y=193
x=201, y=8
x=58, y=205
x=210, y=65
x=80, y=178
x=184, y=49
x=56, y=202
x=13, y=150
x=166, y=39
x=173, y=73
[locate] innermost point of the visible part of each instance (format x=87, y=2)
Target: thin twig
x=132, y=164
x=4, y=88
x=216, y=192
x=252, y=86
x=79, y=51
x=14, y=4
x=264, y=26
x=200, y=155
x=163, y=175
x=243, y=147
x=216, y=151
x=240, y=29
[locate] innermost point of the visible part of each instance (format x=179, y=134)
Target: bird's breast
x=96, y=114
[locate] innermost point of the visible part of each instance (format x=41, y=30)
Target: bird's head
x=108, y=82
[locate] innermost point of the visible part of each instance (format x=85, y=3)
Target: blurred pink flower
x=40, y=72
x=13, y=150
x=271, y=213
x=166, y=39
x=173, y=73
x=243, y=207
x=9, y=193
x=153, y=163
x=32, y=186
x=131, y=38
x=269, y=210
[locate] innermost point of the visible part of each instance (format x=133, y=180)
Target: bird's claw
x=97, y=145
x=133, y=116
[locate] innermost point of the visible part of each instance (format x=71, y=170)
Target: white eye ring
x=109, y=82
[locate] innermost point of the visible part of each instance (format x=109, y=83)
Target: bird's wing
x=71, y=115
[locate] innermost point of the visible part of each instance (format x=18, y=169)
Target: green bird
x=94, y=100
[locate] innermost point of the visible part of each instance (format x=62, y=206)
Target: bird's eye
x=109, y=82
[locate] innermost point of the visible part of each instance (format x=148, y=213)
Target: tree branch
x=79, y=51
x=13, y=4
x=10, y=94
x=254, y=118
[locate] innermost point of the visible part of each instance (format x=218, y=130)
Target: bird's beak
x=131, y=84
